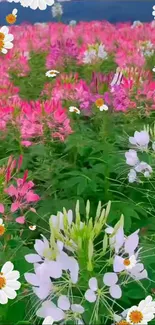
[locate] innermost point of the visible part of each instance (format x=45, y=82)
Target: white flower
x=153, y=69
x=145, y=168
x=5, y=40
x=42, y=285
x=110, y=279
x=74, y=109
x=8, y=283
x=35, y=4
x=48, y=321
x=72, y=23
x=136, y=23
x=53, y=268
x=103, y=108
x=89, y=56
x=90, y=294
x=57, y=10
x=143, y=313
x=140, y=140
x=117, y=78
x=52, y=73
x=132, y=176
x=131, y=158
x=59, y=313
x=33, y=227
x=58, y=221
x=101, y=52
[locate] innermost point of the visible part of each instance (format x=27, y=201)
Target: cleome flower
x=8, y=283
x=140, y=140
x=63, y=310
x=5, y=40
x=22, y=194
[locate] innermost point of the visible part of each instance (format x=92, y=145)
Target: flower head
x=11, y=18
x=140, y=140
x=52, y=73
x=5, y=40
x=100, y=104
x=74, y=109
x=8, y=283
x=143, y=313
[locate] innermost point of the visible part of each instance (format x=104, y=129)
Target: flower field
x=77, y=173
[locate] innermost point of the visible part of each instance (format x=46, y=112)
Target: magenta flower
x=22, y=194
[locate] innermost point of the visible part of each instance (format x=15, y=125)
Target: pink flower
x=20, y=220
x=1, y=208
x=22, y=193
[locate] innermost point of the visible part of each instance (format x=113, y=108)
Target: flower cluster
x=67, y=273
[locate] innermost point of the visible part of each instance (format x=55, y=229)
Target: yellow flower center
x=2, y=281
x=11, y=19
x=2, y=36
x=1, y=45
x=99, y=102
x=136, y=317
x=126, y=262
x=123, y=322
x=2, y=230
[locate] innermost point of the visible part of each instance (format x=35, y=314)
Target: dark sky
x=86, y=10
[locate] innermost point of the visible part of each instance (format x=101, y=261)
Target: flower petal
x=14, y=275
x=76, y=308
x=13, y=284
x=33, y=258
x=90, y=295
x=93, y=284
x=110, y=279
x=115, y=291
x=7, y=268
x=3, y=297
x=63, y=303
x=118, y=264
x=10, y=293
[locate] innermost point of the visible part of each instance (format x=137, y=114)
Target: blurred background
x=84, y=10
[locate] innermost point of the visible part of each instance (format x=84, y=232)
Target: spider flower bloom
x=22, y=194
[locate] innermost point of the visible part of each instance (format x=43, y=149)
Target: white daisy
x=33, y=227
x=11, y=18
x=35, y=4
x=40, y=4
x=143, y=313
x=74, y=109
x=8, y=283
x=5, y=40
x=103, y=108
x=52, y=73
x=153, y=69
